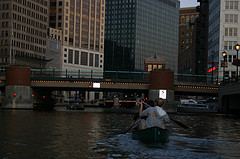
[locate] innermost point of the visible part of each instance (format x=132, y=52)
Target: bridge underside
x=230, y=103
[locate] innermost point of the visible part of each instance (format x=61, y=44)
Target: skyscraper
x=23, y=28
x=82, y=25
x=138, y=29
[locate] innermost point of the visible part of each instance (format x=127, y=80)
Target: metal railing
x=116, y=76
x=89, y=75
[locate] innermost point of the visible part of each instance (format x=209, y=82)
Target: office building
x=138, y=29
x=223, y=35
x=82, y=26
x=23, y=29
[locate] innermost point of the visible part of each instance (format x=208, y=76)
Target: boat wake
x=124, y=146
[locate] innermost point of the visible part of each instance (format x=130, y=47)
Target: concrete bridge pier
x=162, y=85
x=18, y=92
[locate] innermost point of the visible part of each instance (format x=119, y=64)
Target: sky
x=188, y=3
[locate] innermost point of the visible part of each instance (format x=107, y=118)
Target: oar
x=131, y=126
x=177, y=122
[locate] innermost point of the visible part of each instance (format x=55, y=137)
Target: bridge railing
x=89, y=75
x=203, y=79
x=115, y=76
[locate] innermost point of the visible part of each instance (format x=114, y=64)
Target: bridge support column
x=162, y=85
x=18, y=92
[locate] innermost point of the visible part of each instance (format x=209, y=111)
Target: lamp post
x=212, y=64
x=237, y=47
x=224, y=54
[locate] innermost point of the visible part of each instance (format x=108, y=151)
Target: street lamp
x=212, y=64
x=224, y=54
x=237, y=48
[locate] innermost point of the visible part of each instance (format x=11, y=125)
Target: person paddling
x=156, y=116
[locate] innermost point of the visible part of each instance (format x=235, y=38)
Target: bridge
x=118, y=80
x=48, y=80
x=229, y=95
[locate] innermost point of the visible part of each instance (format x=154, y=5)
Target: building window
x=70, y=56
x=230, y=58
x=230, y=31
x=233, y=5
x=91, y=59
x=84, y=58
x=154, y=67
x=160, y=66
x=231, y=18
x=76, y=57
x=229, y=45
x=149, y=68
x=96, y=60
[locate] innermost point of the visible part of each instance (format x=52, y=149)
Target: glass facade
x=214, y=32
x=119, y=35
x=138, y=29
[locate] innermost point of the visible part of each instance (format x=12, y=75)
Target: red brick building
x=187, y=39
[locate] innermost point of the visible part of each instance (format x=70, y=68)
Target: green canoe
x=151, y=135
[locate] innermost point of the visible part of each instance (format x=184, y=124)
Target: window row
x=83, y=58
x=30, y=13
x=5, y=15
x=29, y=47
x=186, y=19
x=231, y=5
x=229, y=45
x=231, y=32
x=4, y=25
x=29, y=30
x=4, y=6
x=28, y=55
x=29, y=21
x=231, y=18
x=231, y=58
x=34, y=6
x=29, y=38
x=4, y=33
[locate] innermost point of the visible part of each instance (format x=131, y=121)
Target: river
x=74, y=135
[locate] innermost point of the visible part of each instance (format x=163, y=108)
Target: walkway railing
x=90, y=75
x=115, y=76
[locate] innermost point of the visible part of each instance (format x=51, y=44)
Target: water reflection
x=30, y=134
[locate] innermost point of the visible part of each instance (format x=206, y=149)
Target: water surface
x=70, y=135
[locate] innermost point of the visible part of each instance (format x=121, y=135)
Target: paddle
x=132, y=126
x=177, y=122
